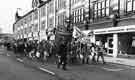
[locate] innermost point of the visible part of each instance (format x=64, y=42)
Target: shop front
x=118, y=41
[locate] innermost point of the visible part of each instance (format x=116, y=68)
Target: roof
x=24, y=16
x=42, y=3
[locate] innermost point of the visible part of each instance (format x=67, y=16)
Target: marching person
x=100, y=53
x=63, y=55
x=93, y=52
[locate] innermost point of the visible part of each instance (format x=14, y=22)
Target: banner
x=77, y=33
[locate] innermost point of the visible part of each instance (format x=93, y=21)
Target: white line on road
x=108, y=69
x=19, y=59
x=52, y=73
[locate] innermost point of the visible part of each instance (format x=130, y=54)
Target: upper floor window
x=74, y=1
x=101, y=9
x=51, y=7
x=35, y=28
x=36, y=14
x=51, y=22
x=130, y=5
x=61, y=4
x=43, y=11
x=78, y=15
x=43, y=25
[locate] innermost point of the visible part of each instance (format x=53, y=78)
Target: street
x=12, y=69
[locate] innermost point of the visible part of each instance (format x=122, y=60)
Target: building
x=111, y=21
x=34, y=24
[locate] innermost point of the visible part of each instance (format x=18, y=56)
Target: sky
x=7, y=13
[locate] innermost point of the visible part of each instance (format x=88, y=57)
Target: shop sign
x=121, y=29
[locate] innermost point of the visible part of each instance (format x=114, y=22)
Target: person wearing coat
x=63, y=55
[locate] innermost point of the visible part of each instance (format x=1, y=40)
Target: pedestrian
x=93, y=52
x=88, y=54
x=100, y=53
x=15, y=47
x=63, y=55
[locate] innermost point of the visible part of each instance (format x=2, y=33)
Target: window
x=30, y=28
x=51, y=22
x=61, y=19
x=43, y=11
x=78, y=15
x=61, y=4
x=101, y=9
x=43, y=25
x=51, y=7
x=82, y=13
x=129, y=5
x=134, y=5
x=36, y=14
x=35, y=27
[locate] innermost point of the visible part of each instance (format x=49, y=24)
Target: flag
x=77, y=32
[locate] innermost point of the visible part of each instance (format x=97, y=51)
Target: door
x=110, y=45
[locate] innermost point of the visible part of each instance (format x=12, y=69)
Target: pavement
x=113, y=69
x=124, y=61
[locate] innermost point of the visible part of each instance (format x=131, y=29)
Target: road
x=11, y=69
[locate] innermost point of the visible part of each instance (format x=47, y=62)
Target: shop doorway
x=110, y=45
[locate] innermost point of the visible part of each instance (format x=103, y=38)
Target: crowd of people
x=64, y=52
